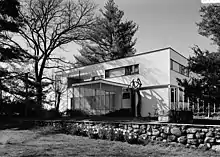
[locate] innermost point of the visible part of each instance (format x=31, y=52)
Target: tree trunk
x=39, y=99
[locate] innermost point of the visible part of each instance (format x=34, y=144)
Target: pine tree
x=111, y=38
x=11, y=54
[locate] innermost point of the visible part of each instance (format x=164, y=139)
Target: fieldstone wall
x=195, y=136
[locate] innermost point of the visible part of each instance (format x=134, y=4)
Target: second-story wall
x=153, y=69
x=175, y=73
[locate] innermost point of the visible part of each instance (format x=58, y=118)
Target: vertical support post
x=100, y=97
x=208, y=109
x=174, y=98
x=198, y=105
x=188, y=103
x=178, y=96
x=214, y=108
x=203, y=106
x=169, y=97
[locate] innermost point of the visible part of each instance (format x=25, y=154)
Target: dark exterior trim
x=154, y=87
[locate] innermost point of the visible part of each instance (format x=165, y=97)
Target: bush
x=102, y=133
x=131, y=137
x=181, y=116
x=73, y=129
x=77, y=113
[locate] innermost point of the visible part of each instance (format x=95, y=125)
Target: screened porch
x=97, y=97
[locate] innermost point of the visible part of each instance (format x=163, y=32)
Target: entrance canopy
x=101, y=81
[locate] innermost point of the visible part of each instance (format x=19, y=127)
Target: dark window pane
x=126, y=96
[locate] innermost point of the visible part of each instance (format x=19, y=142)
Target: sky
x=162, y=23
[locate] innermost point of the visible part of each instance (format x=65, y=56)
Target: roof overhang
x=102, y=82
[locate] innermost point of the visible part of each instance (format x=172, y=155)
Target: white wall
x=153, y=68
x=154, y=100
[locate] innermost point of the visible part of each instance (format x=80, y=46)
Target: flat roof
x=127, y=57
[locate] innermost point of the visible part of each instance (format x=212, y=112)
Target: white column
x=169, y=97
x=208, y=109
x=214, y=107
x=198, y=105
x=188, y=103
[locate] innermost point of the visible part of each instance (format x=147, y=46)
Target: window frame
x=129, y=70
x=181, y=70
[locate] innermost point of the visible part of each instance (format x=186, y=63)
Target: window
x=179, y=68
x=126, y=96
x=122, y=71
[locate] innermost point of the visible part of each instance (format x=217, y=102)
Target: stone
x=171, y=138
x=193, y=146
x=203, y=147
x=164, y=140
x=143, y=126
x=205, y=130
x=199, y=135
x=182, y=139
x=190, y=136
x=209, y=140
x=192, y=130
x=155, y=132
x=176, y=131
x=163, y=135
x=211, y=129
x=192, y=141
x=135, y=126
x=149, y=128
x=216, y=148
x=200, y=140
x=159, y=138
x=210, y=134
x=167, y=130
x=149, y=133
x=217, y=141
x=209, y=145
x=153, y=138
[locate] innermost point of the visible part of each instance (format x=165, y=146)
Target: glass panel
x=175, y=66
x=117, y=72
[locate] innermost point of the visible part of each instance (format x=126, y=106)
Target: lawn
x=41, y=142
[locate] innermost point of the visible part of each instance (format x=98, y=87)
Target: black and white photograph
x=109, y=78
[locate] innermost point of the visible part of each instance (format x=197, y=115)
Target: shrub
x=102, y=133
x=77, y=113
x=110, y=134
x=92, y=132
x=131, y=137
x=118, y=134
x=73, y=129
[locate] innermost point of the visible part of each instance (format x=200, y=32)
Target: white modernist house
x=104, y=87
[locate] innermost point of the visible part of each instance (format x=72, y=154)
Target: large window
x=122, y=71
x=177, y=67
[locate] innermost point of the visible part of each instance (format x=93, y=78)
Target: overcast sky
x=162, y=23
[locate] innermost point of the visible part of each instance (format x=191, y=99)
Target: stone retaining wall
x=196, y=136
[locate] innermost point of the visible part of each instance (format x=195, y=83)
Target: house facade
x=106, y=87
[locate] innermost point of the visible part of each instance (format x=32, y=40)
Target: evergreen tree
x=11, y=54
x=111, y=37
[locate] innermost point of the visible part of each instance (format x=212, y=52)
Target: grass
x=47, y=142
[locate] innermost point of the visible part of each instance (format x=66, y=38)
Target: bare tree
x=49, y=25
